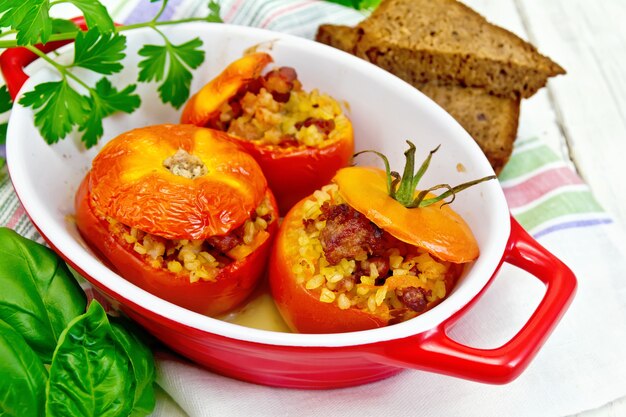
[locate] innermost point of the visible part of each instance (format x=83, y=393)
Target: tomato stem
x=402, y=188
x=390, y=184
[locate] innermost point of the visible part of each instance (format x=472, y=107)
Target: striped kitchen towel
x=578, y=369
x=544, y=193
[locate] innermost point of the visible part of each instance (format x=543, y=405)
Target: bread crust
x=425, y=40
x=491, y=120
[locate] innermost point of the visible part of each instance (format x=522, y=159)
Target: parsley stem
x=61, y=68
x=46, y=58
x=8, y=32
x=161, y=10
x=163, y=23
x=167, y=41
x=12, y=43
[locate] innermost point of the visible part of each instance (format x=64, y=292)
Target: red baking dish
x=385, y=112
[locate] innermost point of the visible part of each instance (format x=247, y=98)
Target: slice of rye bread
x=490, y=120
x=424, y=40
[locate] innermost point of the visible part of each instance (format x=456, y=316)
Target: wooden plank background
x=581, y=115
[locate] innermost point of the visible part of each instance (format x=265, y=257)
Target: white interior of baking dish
x=384, y=110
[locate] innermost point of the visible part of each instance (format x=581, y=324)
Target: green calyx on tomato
x=402, y=188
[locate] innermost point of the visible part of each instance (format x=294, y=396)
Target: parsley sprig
x=179, y=60
x=71, y=102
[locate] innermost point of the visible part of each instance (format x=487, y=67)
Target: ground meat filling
x=226, y=243
x=348, y=234
x=279, y=83
x=381, y=265
x=323, y=125
x=415, y=298
x=243, y=234
x=349, y=261
x=274, y=110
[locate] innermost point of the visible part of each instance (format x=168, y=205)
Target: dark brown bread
x=340, y=37
x=425, y=40
x=490, y=120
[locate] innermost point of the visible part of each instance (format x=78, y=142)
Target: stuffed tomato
x=182, y=212
x=299, y=138
x=352, y=257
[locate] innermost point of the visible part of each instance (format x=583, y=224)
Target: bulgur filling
x=274, y=110
x=347, y=260
x=200, y=259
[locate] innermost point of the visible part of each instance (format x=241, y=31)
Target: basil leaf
x=142, y=363
x=39, y=295
x=90, y=373
x=22, y=376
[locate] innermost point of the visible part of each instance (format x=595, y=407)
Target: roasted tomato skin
x=301, y=309
x=231, y=287
x=130, y=183
x=292, y=172
x=295, y=172
x=203, y=105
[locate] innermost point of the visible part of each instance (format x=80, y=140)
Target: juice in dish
x=259, y=312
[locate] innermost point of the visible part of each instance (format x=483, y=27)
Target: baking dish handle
x=13, y=60
x=437, y=352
